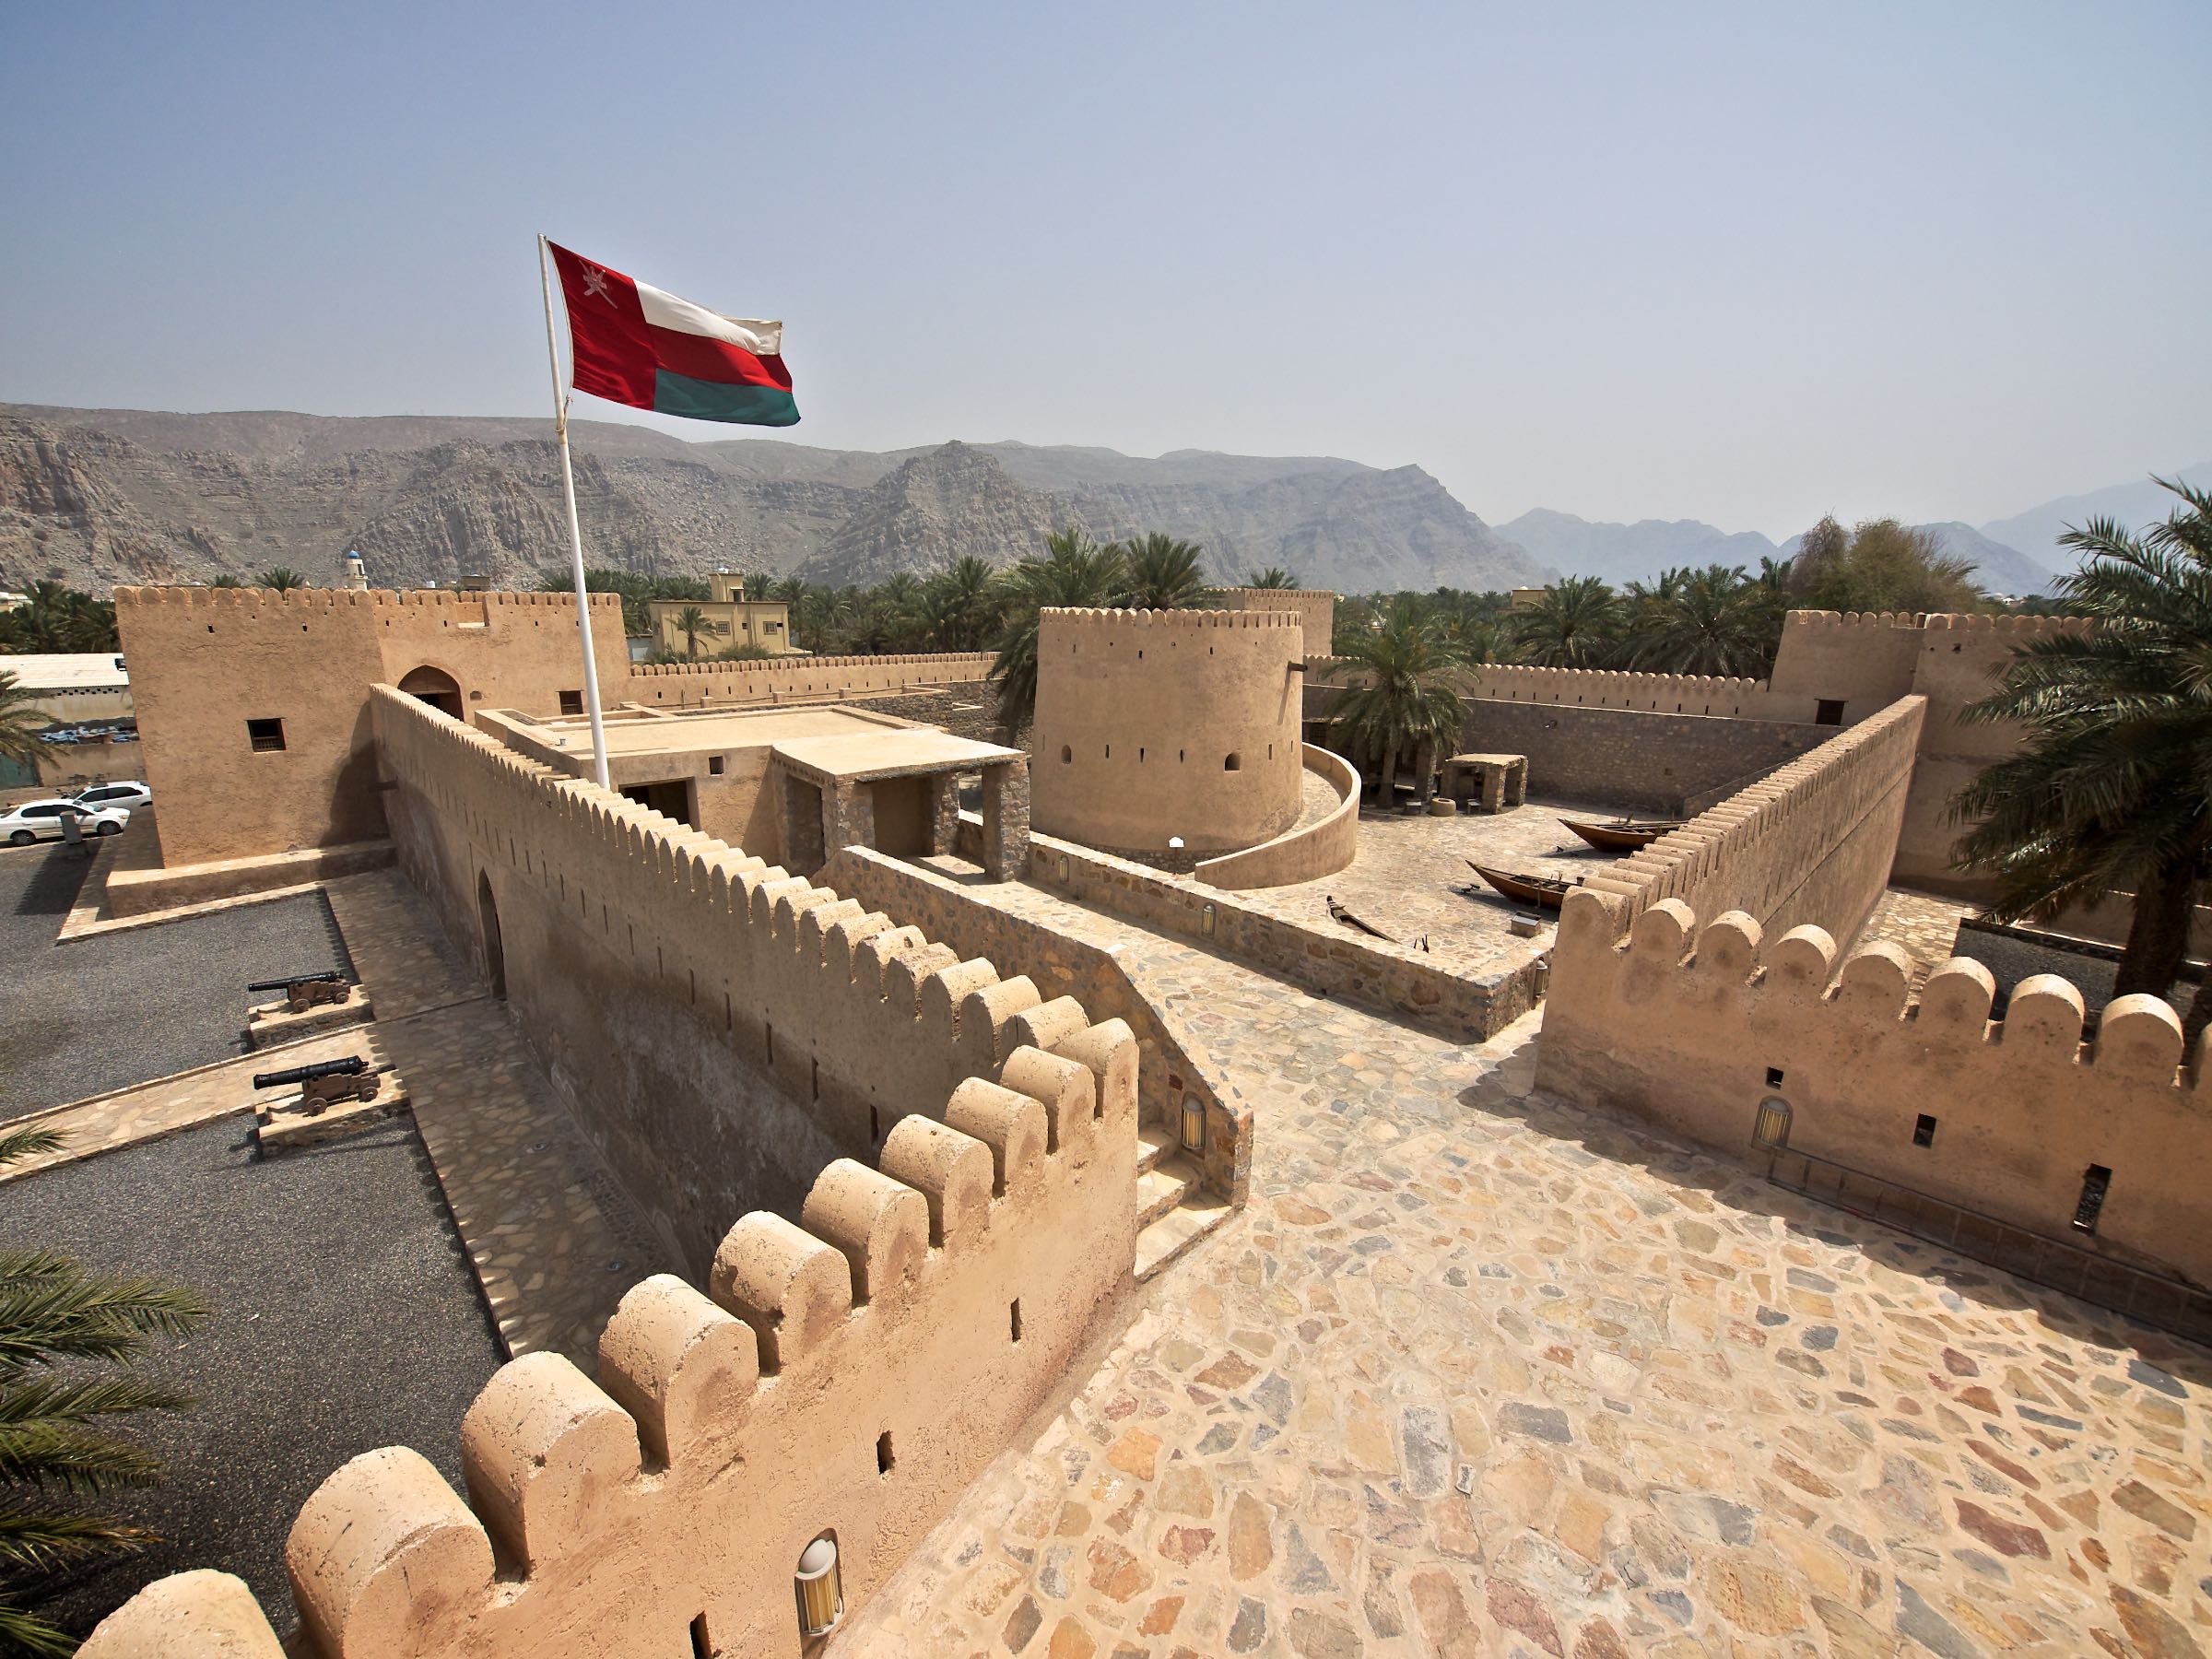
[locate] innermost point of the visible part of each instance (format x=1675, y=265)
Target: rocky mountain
x=1998, y=569
x=1625, y=553
x=97, y=497
x=2036, y=531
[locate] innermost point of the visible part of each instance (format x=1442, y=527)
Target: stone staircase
x=1172, y=1211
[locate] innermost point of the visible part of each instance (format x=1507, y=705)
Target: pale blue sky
x=1745, y=263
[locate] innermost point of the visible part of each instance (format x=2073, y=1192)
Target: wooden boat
x=1550, y=891
x=1623, y=835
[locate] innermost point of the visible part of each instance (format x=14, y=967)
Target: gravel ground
x=345, y=1317
x=103, y=1013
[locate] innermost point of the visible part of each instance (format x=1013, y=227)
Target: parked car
x=42, y=821
x=126, y=795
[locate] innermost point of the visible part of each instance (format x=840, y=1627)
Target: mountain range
x=97, y=497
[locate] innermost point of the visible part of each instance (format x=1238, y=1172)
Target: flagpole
x=568, y=484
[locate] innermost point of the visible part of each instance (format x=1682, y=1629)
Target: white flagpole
x=567, y=484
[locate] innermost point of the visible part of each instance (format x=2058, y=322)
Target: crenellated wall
x=2021, y=1108
x=1316, y=609
x=720, y=1029
x=682, y=685
x=1157, y=724
x=1813, y=840
x=849, y=1373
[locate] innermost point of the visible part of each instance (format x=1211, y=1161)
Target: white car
x=128, y=794
x=42, y=821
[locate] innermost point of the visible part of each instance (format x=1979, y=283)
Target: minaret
x=357, y=573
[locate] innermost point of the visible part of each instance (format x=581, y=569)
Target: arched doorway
x=435, y=686
x=495, y=952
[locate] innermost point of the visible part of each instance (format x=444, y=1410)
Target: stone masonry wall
x=720, y=1029
x=1632, y=759
x=785, y=680
x=847, y=1375
x=1305, y=853
x=2022, y=1108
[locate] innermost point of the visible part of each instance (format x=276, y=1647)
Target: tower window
x=1829, y=711
x=884, y=1460
x=1234, y=763
x=2095, y=1183
x=571, y=702
x=266, y=735
x=1924, y=1131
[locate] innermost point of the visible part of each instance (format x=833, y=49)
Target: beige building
x=730, y=621
x=73, y=686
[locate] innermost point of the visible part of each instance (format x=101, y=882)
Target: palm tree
x=54, y=1314
x=282, y=578
x=1274, y=576
x=1573, y=626
x=1163, y=574
x=1710, y=621
x=227, y=581
x=689, y=621
x=2110, y=788
x=1404, y=700
x=20, y=722
x=959, y=605
x=1074, y=570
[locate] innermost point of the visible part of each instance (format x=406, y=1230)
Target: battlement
x=956, y=664
x=1610, y=688
x=847, y=1375
x=1263, y=595
x=1698, y=1029
x=2013, y=628
x=294, y=601
x=1828, y=618
x=1092, y=618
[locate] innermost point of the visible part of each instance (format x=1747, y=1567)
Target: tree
x=2111, y=786
x=689, y=621
x=961, y=605
x=1883, y=565
x=226, y=580
x=283, y=578
x=1162, y=574
x=53, y=1448
x=20, y=722
x=1072, y=571
x=1274, y=576
x=1575, y=625
x=59, y=618
x=1711, y=621
x=1403, y=699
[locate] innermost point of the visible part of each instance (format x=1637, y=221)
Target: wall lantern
x=1174, y=843
x=1193, y=1124
x=1772, y=1130
x=1206, y=922
x=1064, y=866
x=821, y=1592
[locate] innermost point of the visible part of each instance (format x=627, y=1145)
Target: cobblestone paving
x=1479, y=1374
x=1924, y=924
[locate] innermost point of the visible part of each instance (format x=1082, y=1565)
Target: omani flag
x=632, y=344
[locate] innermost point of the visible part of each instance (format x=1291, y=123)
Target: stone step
x=1176, y=1232
x=1161, y=1188
x=1153, y=1144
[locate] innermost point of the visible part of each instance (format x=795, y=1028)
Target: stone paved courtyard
x=1479, y=1374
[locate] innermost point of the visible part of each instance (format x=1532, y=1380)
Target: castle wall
x=1316, y=609
x=205, y=661
x=1153, y=724
x=1302, y=854
x=1632, y=759
x=2022, y=1107
x=684, y=685
x=720, y=1029
x=1863, y=661
x=849, y=1374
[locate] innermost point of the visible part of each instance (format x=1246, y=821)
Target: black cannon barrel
x=297, y=979
x=350, y=1067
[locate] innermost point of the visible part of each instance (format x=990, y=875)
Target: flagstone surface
x=1479, y=1373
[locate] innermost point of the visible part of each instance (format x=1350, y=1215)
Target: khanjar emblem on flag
x=632, y=343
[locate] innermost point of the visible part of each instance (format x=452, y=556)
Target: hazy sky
x=1745, y=264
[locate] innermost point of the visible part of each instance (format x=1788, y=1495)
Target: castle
x=891, y=1130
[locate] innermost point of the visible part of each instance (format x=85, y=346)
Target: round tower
x=1157, y=724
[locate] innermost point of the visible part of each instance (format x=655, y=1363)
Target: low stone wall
x=848, y=1376
x=1812, y=841
x=1373, y=972
x=1304, y=853
x=1173, y=1066
x=1635, y=760
x=138, y=892
x=2021, y=1108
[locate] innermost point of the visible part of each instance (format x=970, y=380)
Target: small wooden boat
x=1623, y=835
x=1342, y=917
x=1550, y=891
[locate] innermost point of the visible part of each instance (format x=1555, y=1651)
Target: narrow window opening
x=1140, y=754
x=1179, y=757
x=884, y=1460
x=1014, y=1317
x=875, y=1126
x=571, y=702
x=700, y=1647
x=767, y=1034
x=814, y=1079
x=266, y=735
x=1110, y=751
x=1829, y=711
x=1232, y=763
x=2094, y=1185
x=1924, y=1131
x=1773, y=1076
x=716, y=765
x=1067, y=754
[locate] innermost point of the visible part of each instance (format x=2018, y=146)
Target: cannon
x=325, y=1083
x=305, y=991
